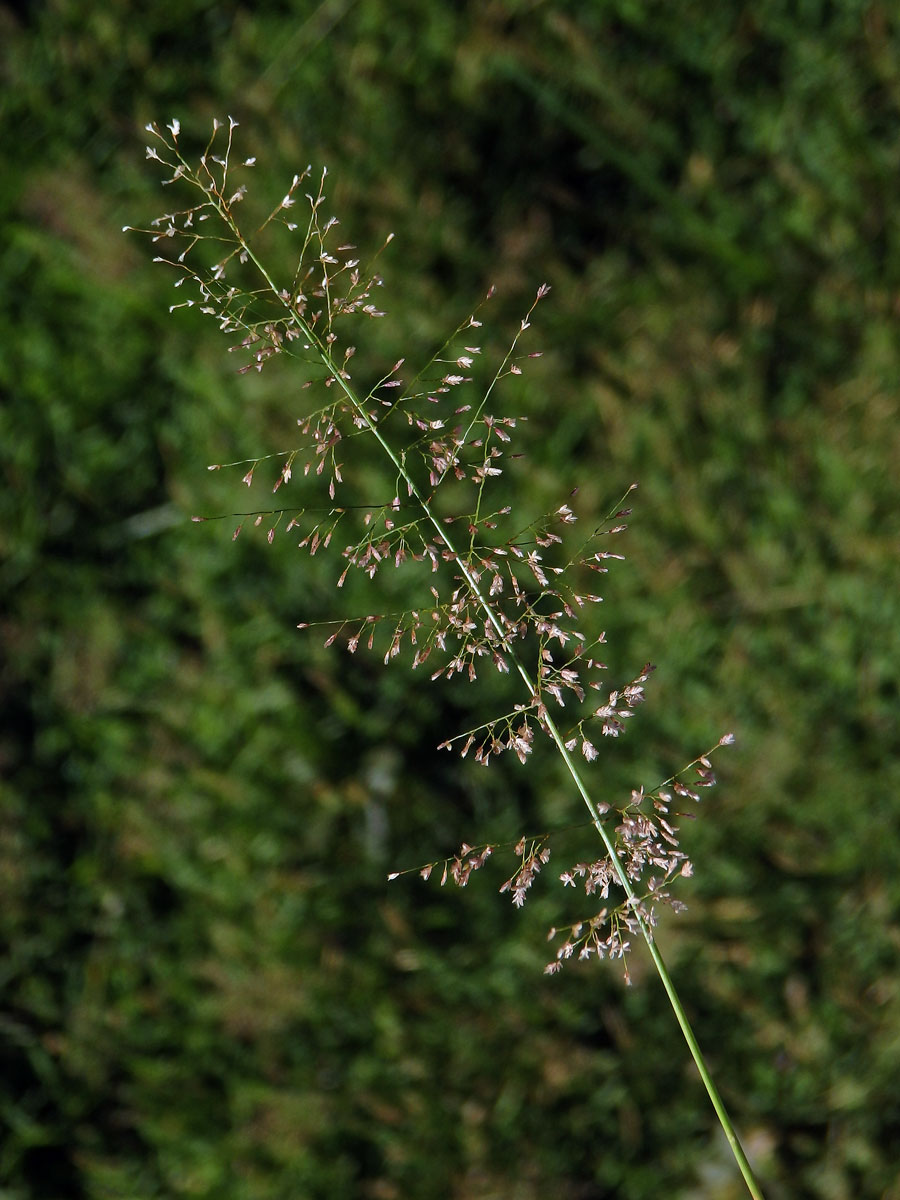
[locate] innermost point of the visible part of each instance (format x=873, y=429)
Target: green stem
x=472, y=583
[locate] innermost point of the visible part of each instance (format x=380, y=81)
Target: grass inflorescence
x=518, y=599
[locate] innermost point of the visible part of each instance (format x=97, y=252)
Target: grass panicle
x=519, y=599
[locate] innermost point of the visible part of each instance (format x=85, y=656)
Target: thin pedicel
x=516, y=600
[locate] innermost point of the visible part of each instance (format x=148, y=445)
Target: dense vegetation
x=209, y=990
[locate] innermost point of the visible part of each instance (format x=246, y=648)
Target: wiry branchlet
x=534, y=853
x=457, y=868
x=599, y=936
x=512, y=731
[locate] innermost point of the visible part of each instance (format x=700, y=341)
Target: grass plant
x=501, y=588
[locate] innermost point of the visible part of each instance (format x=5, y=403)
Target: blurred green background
x=208, y=988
